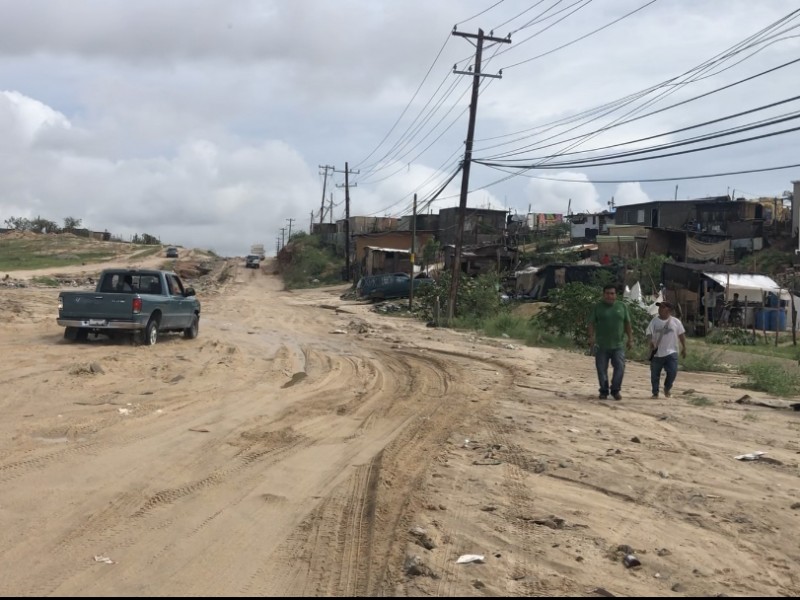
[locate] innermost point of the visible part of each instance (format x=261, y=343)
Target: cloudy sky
x=205, y=122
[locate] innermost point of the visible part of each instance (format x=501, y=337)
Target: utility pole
x=290, y=228
x=330, y=214
x=283, y=238
x=473, y=109
x=413, y=249
x=324, y=182
x=347, y=172
x=311, y=223
x=277, y=245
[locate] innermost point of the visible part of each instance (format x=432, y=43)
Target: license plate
x=96, y=322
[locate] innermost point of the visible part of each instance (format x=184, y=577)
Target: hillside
x=64, y=259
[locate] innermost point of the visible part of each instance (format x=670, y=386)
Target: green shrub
x=311, y=264
x=477, y=298
x=733, y=336
x=766, y=376
x=704, y=360
x=508, y=324
x=569, y=308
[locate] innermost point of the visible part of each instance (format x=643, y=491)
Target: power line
x=419, y=87
x=485, y=10
x=660, y=110
x=708, y=65
x=712, y=135
x=590, y=162
x=639, y=180
x=607, y=108
x=583, y=37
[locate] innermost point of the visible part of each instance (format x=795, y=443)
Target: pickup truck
x=142, y=302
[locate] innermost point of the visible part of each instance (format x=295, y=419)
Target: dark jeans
x=617, y=359
x=670, y=365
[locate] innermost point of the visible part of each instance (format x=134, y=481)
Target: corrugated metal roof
x=388, y=249
x=740, y=280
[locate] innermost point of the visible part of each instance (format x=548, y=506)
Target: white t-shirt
x=665, y=334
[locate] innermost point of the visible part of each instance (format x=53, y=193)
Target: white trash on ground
x=751, y=456
x=469, y=558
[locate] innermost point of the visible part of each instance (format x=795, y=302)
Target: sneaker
x=617, y=396
x=667, y=394
x=654, y=396
x=603, y=396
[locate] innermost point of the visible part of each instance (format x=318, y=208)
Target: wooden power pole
x=324, y=182
x=347, y=173
x=413, y=250
x=462, y=204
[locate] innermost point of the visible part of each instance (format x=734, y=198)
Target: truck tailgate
x=92, y=305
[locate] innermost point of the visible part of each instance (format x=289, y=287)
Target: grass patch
x=705, y=361
x=700, y=401
x=750, y=417
x=44, y=251
x=765, y=376
x=538, y=336
x=48, y=281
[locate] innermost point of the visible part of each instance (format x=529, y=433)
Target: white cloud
x=22, y=119
x=630, y=193
x=553, y=196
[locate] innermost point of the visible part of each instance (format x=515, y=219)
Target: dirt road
x=303, y=445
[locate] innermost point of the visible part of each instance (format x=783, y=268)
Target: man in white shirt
x=665, y=333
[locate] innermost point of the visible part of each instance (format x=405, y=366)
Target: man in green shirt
x=609, y=322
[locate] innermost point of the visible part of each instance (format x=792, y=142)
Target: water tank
x=761, y=318
x=777, y=320
x=772, y=300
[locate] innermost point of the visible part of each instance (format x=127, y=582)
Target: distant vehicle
x=144, y=302
x=258, y=250
x=172, y=252
x=388, y=285
x=252, y=261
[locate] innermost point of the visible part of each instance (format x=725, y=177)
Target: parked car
x=253, y=261
x=388, y=285
x=172, y=252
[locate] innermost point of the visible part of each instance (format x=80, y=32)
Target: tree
x=150, y=240
x=41, y=225
x=71, y=223
x=430, y=252
x=19, y=223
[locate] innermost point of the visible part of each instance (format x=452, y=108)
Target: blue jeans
x=617, y=359
x=670, y=364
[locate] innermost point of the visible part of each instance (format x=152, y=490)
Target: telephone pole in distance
x=347, y=173
x=473, y=109
x=324, y=182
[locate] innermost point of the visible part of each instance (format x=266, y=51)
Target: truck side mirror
x=189, y=291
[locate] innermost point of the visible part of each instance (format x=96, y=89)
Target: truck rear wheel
x=150, y=333
x=192, y=330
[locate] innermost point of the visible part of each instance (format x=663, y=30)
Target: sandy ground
x=304, y=445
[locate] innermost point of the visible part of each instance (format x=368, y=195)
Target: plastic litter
x=103, y=559
x=470, y=558
x=631, y=561
x=750, y=456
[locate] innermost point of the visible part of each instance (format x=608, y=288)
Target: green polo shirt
x=609, y=324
